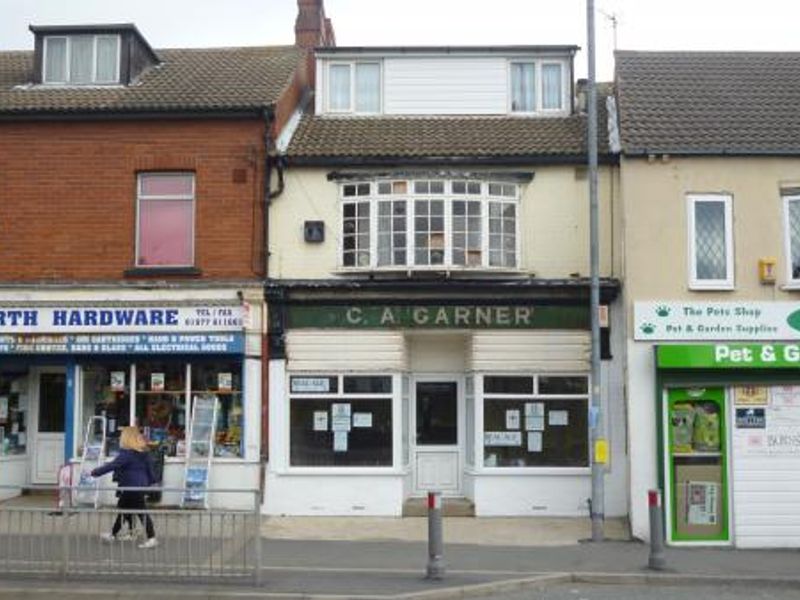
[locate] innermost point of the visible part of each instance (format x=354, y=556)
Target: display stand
x=200, y=451
x=87, y=492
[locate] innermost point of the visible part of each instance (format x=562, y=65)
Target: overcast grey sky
x=642, y=24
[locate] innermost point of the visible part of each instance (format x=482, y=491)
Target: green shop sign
x=439, y=317
x=729, y=356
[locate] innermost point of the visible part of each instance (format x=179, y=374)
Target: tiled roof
x=709, y=102
x=321, y=138
x=188, y=79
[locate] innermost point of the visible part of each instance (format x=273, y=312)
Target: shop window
x=106, y=393
x=349, y=429
x=161, y=403
x=165, y=233
x=223, y=379
x=523, y=429
x=13, y=413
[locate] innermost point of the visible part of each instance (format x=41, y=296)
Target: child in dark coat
x=132, y=467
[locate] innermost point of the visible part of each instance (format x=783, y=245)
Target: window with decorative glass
x=791, y=207
x=430, y=224
x=535, y=421
x=710, y=241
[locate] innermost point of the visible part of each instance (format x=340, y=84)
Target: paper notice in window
x=340, y=441
x=3, y=408
x=362, y=419
x=512, y=419
x=534, y=423
x=340, y=410
x=225, y=382
x=157, y=382
x=117, y=381
x=534, y=441
x=339, y=423
x=534, y=409
x=320, y=420
x=558, y=418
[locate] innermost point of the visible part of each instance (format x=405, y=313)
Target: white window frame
x=68, y=56
x=710, y=284
x=448, y=197
x=792, y=282
x=351, y=109
x=187, y=197
x=395, y=397
x=538, y=93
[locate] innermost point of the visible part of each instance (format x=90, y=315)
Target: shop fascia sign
x=439, y=316
x=728, y=356
x=107, y=319
x=123, y=343
x=739, y=321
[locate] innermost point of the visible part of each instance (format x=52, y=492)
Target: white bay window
x=429, y=224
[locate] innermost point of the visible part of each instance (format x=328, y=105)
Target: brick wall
x=68, y=195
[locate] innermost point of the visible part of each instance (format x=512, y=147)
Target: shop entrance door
x=48, y=410
x=437, y=436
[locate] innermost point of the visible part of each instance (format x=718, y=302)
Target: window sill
x=791, y=287
x=711, y=287
x=435, y=270
x=162, y=272
x=533, y=471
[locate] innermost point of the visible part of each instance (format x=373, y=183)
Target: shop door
x=437, y=436
x=48, y=453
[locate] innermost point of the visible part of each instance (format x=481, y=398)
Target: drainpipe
x=269, y=161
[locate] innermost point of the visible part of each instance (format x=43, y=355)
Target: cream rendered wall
x=655, y=248
x=553, y=227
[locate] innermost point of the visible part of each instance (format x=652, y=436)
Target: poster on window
x=534, y=441
x=512, y=419
x=558, y=418
x=117, y=381
x=534, y=423
x=750, y=395
x=534, y=409
x=362, y=419
x=3, y=408
x=502, y=438
x=340, y=441
x=225, y=382
x=701, y=502
x=320, y=420
x=157, y=382
x=340, y=417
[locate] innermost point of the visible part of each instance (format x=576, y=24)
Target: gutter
x=475, y=160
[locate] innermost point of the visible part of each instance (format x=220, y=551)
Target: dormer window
x=537, y=86
x=81, y=59
x=354, y=87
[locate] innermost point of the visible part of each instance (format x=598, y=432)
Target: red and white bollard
x=657, y=560
x=435, y=568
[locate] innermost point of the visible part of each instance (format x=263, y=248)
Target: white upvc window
x=791, y=211
x=354, y=87
x=429, y=224
x=710, y=220
x=81, y=59
x=537, y=86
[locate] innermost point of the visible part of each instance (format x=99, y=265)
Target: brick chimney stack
x=312, y=28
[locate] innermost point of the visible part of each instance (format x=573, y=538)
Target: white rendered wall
x=532, y=495
x=13, y=472
x=642, y=434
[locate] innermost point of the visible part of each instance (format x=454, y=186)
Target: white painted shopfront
x=134, y=357
x=725, y=422
x=364, y=417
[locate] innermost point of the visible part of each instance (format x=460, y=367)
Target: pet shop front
x=728, y=428
x=68, y=365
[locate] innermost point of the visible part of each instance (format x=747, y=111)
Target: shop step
x=451, y=507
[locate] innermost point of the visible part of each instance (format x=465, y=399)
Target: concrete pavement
x=385, y=559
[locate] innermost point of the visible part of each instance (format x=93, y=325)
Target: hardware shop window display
x=13, y=411
x=161, y=398
x=535, y=421
x=341, y=421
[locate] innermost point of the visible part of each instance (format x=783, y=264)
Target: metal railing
x=199, y=545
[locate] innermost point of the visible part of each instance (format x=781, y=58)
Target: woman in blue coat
x=132, y=467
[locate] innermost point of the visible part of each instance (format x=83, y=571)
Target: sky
x=641, y=24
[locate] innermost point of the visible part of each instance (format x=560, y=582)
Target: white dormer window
x=81, y=59
x=354, y=87
x=537, y=86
